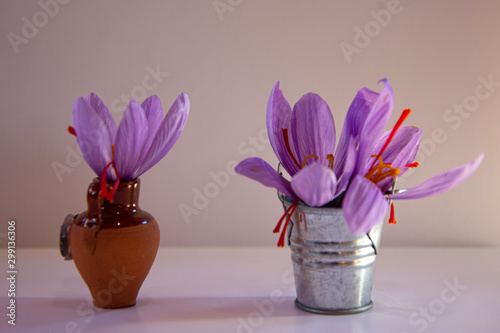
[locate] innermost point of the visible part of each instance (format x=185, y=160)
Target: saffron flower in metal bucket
x=125, y=152
x=357, y=173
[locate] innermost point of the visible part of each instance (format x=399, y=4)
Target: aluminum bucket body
x=333, y=268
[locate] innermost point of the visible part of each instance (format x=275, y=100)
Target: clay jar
x=114, y=244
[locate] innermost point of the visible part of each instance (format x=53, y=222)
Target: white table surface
x=235, y=290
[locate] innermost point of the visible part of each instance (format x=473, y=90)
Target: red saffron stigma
x=289, y=213
x=287, y=144
x=278, y=226
x=412, y=165
x=377, y=175
x=392, y=220
x=71, y=130
x=408, y=165
x=400, y=121
x=105, y=194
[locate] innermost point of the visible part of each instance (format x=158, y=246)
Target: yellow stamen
x=330, y=159
x=385, y=174
x=307, y=157
x=381, y=171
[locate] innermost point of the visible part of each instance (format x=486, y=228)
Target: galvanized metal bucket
x=333, y=268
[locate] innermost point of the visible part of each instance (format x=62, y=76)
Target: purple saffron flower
x=365, y=202
x=365, y=165
x=140, y=141
x=303, y=139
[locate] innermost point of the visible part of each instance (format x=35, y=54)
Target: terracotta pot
x=113, y=245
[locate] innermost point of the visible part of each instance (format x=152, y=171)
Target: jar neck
x=126, y=198
x=127, y=193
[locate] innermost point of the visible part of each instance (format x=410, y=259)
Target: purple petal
x=129, y=142
x=259, y=170
x=442, y=182
x=349, y=165
x=169, y=131
x=92, y=136
x=103, y=112
x=278, y=117
x=315, y=184
x=375, y=123
x=154, y=112
x=353, y=124
x=364, y=205
x=313, y=129
x=359, y=110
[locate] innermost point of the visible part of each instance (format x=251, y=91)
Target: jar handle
x=64, y=242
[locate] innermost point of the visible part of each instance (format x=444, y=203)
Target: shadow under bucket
x=333, y=269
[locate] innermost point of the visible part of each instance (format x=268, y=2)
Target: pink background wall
x=436, y=55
